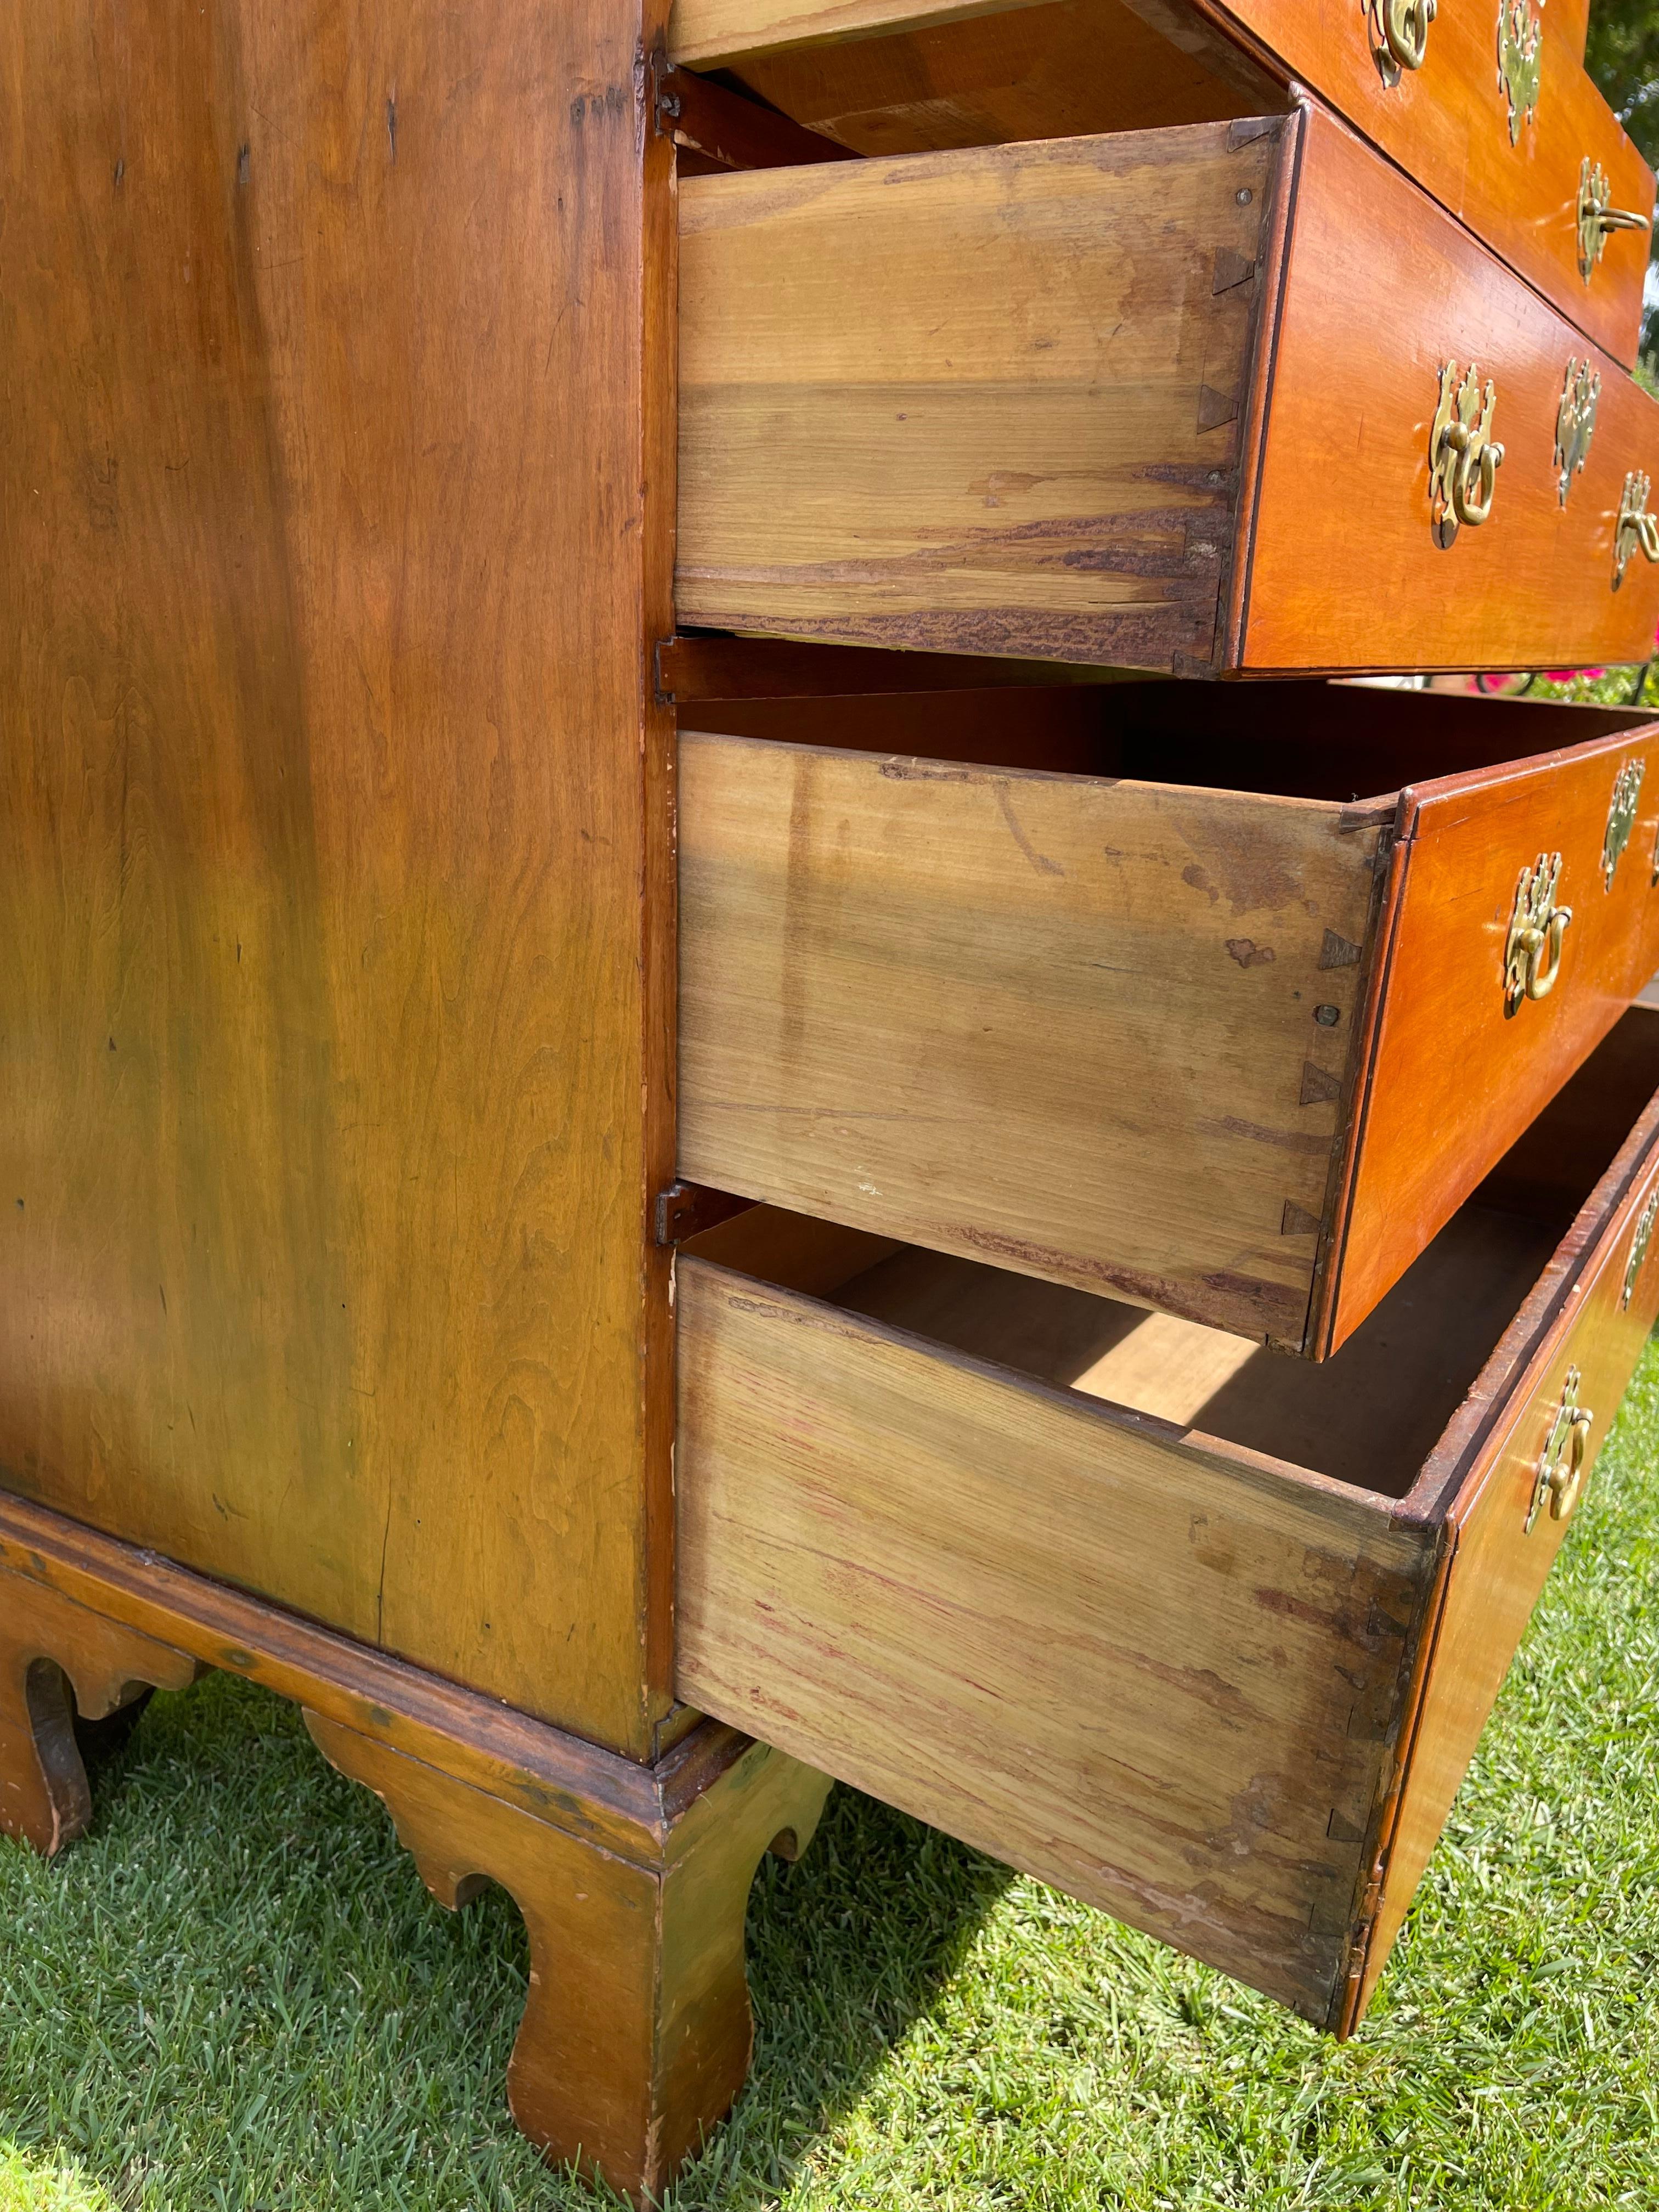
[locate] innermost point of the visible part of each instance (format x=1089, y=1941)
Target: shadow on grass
x=235, y=1992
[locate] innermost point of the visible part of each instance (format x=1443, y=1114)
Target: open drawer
x=901, y=77
x=1205, y=1027
x=1204, y=1637
x=1226, y=397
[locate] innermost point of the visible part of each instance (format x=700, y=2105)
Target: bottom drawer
x=1204, y=1636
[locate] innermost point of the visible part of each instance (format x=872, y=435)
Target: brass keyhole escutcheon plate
x=1598, y=218
x=1399, y=33
x=1519, y=62
x=1635, y=527
x=1532, y=951
x=1642, y=1237
x=1464, y=458
x=1560, y=1473
x=1574, y=422
x=1621, y=817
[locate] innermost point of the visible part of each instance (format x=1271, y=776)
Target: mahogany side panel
x=327, y=798
x=1459, y=1069
x=1344, y=566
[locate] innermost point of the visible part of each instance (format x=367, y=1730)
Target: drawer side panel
x=983, y=401
x=1166, y=1683
x=1062, y=1024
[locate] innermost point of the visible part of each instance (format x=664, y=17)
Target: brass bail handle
x=1636, y=526
x=1598, y=218
x=1532, y=952
x=1478, y=462
x=1464, y=458
x=1406, y=26
x=1560, y=1473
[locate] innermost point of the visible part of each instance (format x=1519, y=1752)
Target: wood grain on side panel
x=1345, y=568
x=1498, y=1568
x=1161, y=1678
x=1061, y=1024
x=338, y=1072
x=960, y=401
x=1455, y=1078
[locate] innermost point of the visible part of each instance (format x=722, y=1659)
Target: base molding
x=633, y=1880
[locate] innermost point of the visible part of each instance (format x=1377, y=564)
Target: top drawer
x=1165, y=401
x=1498, y=120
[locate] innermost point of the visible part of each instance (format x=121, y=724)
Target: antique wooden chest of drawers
x=660, y=1111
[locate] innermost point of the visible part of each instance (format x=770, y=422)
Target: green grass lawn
x=236, y=1994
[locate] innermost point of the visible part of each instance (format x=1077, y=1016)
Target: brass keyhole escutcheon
x=1519, y=64
x=1464, y=458
x=1561, y=1463
x=1639, y=1242
x=1532, y=951
x=1399, y=35
x=1621, y=817
x=1635, y=527
x=1598, y=218
x=1575, y=422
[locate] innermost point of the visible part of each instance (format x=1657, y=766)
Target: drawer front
x=1162, y=1680
x=1463, y=1061
x=1345, y=534
x=1499, y=1562
x=1091, y=1030
x=1515, y=183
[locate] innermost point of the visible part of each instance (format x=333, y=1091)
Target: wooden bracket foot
x=636, y=2035
x=58, y=1660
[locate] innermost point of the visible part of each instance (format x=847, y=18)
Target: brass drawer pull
x=1597, y=218
x=1519, y=62
x=1399, y=34
x=1636, y=526
x=1561, y=1463
x=1532, y=951
x=1464, y=458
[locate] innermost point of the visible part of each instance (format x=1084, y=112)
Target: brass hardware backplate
x=1638, y=1247
x=1532, y=951
x=1519, y=63
x=1575, y=422
x=1399, y=33
x=1567, y=1441
x=1621, y=817
x=1597, y=218
x=1463, y=456
x=1635, y=526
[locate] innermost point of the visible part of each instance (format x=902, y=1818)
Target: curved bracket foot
x=57, y=1661
x=636, y=2035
